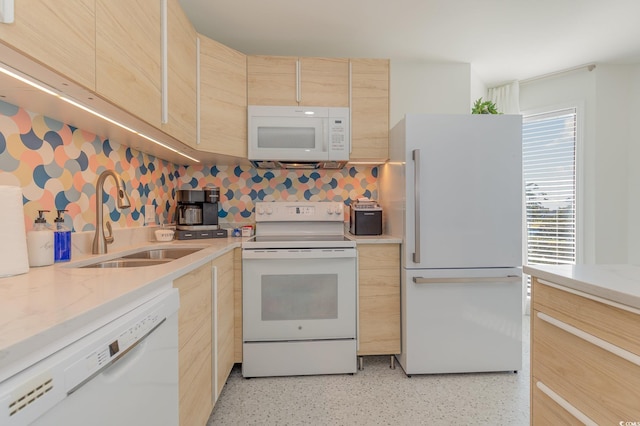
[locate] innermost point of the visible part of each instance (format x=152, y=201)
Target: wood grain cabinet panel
x=600, y=384
x=324, y=82
x=224, y=319
x=271, y=80
x=182, y=75
x=604, y=321
x=288, y=80
x=585, y=353
x=129, y=56
x=223, y=99
x=369, y=109
x=195, y=346
x=61, y=37
x=379, y=299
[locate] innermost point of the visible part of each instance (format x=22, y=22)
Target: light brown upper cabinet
x=129, y=56
x=62, y=37
x=182, y=61
x=223, y=99
x=286, y=80
x=369, y=109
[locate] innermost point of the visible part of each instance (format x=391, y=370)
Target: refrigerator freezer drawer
x=461, y=324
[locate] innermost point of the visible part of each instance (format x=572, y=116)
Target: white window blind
x=549, y=168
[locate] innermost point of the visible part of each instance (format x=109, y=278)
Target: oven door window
x=291, y=299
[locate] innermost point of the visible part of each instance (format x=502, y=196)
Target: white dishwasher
x=124, y=373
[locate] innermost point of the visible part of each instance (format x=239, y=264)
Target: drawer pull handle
x=465, y=280
x=616, y=350
x=565, y=404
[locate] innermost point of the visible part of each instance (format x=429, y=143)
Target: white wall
x=634, y=166
x=478, y=88
x=429, y=88
x=610, y=98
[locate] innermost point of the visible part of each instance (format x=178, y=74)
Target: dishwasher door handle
x=468, y=280
x=116, y=359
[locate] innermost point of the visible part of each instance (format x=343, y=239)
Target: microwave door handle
x=325, y=138
x=298, y=98
x=416, y=200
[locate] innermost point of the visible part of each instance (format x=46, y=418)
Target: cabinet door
x=324, y=82
x=369, y=109
x=379, y=299
x=223, y=99
x=61, y=37
x=181, y=78
x=271, y=80
x=195, y=346
x=287, y=80
x=224, y=319
x=129, y=57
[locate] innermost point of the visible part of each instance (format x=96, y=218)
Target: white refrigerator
x=453, y=191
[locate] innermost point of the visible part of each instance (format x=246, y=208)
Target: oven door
x=299, y=294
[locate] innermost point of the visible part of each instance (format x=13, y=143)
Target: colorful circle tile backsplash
x=57, y=166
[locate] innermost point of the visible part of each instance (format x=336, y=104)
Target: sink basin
x=127, y=263
x=165, y=254
x=146, y=257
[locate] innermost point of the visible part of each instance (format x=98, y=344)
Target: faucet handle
x=109, y=238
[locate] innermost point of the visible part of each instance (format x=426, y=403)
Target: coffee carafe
x=197, y=214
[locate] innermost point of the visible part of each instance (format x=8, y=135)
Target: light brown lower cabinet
x=379, y=299
x=585, y=358
x=194, y=346
x=206, y=336
x=223, y=271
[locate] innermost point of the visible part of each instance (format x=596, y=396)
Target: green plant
x=486, y=107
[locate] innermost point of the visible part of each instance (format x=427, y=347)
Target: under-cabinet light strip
x=14, y=74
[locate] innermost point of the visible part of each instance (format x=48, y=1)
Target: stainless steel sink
x=166, y=254
x=127, y=263
x=146, y=257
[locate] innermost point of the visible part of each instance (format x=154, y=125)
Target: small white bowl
x=164, y=234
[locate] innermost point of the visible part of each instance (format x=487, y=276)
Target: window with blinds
x=549, y=168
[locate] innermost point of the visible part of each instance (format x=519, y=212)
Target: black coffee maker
x=197, y=214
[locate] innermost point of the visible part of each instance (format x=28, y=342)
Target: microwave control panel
x=337, y=134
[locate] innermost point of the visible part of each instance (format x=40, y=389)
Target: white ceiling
x=503, y=40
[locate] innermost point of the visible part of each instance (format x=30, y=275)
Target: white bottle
x=40, y=242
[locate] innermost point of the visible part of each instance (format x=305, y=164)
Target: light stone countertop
x=373, y=239
x=49, y=307
x=617, y=283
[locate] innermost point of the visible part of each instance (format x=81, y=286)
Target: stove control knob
x=329, y=211
x=338, y=210
x=269, y=210
x=260, y=210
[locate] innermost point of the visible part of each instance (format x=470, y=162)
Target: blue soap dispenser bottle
x=62, y=239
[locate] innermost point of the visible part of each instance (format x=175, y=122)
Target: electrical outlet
x=149, y=214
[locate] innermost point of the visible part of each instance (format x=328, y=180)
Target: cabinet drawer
x=548, y=412
x=609, y=323
x=600, y=384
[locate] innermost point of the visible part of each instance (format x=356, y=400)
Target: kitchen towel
x=14, y=258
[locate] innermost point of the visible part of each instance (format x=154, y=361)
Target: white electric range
x=299, y=291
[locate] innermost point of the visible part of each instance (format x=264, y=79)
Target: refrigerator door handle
x=416, y=188
x=507, y=279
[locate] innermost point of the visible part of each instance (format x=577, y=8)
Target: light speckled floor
x=378, y=395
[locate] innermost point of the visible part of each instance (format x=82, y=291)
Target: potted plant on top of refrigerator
x=486, y=107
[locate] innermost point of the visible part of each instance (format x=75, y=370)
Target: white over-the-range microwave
x=298, y=137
